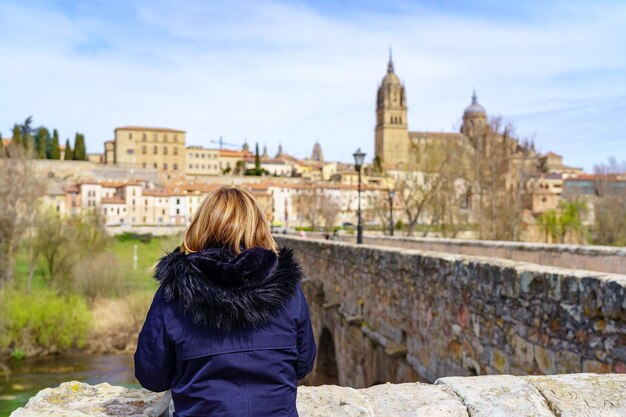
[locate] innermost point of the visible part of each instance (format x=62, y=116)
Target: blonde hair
x=228, y=217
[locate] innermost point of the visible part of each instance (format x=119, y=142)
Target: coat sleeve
x=307, y=348
x=155, y=358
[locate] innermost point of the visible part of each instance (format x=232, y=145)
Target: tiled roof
x=234, y=153
x=113, y=200
x=151, y=129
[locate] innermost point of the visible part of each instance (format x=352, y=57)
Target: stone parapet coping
x=567, y=395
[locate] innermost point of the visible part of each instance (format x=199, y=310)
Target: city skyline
x=297, y=73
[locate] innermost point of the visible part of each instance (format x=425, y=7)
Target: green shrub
x=42, y=320
x=142, y=237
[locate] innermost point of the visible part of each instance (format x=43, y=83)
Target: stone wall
x=584, y=395
x=401, y=315
x=592, y=258
x=164, y=230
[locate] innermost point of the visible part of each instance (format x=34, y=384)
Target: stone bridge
x=385, y=314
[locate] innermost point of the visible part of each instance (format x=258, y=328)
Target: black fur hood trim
x=218, y=288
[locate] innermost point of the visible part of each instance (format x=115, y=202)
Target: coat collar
x=218, y=288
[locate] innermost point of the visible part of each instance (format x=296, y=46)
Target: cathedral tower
x=391, y=133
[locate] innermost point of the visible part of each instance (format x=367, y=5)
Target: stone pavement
x=568, y=395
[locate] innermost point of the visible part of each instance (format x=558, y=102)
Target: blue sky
x=300, y=71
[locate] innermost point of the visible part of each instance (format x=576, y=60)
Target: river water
x=29, y=376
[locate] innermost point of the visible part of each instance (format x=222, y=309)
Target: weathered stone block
x=614, y=296
x=568, y=362
x=523, y=353
x=588, y=395
x=591, y=366
x=545, y=359
x=504, y=395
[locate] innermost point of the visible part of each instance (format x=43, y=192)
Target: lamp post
x=359, y=157
x=392, y=193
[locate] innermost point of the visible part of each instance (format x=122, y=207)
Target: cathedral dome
x=475, y=108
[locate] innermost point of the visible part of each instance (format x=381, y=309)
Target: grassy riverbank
x=99, y=309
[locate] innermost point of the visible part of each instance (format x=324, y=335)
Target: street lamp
x=359, y=157
x=392, y=193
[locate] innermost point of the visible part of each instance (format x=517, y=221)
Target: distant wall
x=82, y=170
x=589, y=257
x=154, y=230
x=394, y=314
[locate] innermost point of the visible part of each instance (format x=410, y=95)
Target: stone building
x=397, y=148
x=147, y=147
x=202, y=161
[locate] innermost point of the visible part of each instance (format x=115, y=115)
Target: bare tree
x=502, y=167
x=610, y=203
x=315, y=205
x=378, y=207
x=429, y=195
x=19, y=192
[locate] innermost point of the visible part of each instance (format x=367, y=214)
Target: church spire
x=390, y=64
x=474, y=98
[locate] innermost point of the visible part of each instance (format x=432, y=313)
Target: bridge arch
x=327, y=370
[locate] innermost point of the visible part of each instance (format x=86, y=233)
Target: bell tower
x=391, y=132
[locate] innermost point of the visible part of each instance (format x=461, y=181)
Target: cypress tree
x=257, y=160
x=41, y=142
x=17, y=136
x=68, y=155
x=55, y=153
x=80, y=152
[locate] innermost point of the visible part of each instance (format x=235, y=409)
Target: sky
x=297, y=72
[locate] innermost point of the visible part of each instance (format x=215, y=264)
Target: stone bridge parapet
x=391, y=314
x=609, y=259
x=580, y=395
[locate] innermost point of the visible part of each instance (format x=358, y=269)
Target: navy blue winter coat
x=229, y=334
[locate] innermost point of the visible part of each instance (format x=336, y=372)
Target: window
x=175, y=166
x=130, y=136
x=164, y=137
x=144, y=137
x=144, y=149
x=175, y=138
x=143, y=165
x=165, y=150
x=155, y=150
x=175, y=150
x=178, y=201
x=155, y=137
x=165, y=166
x=130, y=151
x=155, y=165
x=177, y=211
x=144, y=220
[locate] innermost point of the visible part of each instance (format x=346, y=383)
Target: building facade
x=147, y=147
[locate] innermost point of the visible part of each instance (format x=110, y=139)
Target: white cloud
x=285, y=72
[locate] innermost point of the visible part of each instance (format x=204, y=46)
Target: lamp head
x=359, y=158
